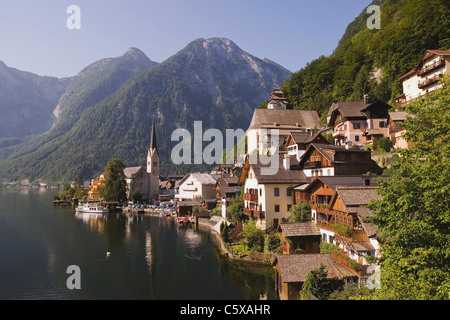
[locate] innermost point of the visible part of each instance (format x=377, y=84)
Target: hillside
x=212, y=81
x=369, y=61
x=27, y=102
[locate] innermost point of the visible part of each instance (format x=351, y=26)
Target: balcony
x=250, y=197
x=254, y=213
x=313, y=164
x=429, y=81
x=431, y=67
x=339, y=133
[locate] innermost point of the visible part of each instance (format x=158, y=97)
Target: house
x=358, y=123
x=291, y=272
x=227, y=189
x=424, y=78
x=397, y=131
x=269, y=197
x=270, y=127
x=300, y=235
x=331, y=160
x=321, y=190
x=94, y=188
x=196, y=186
x=346, y=227
x=298, y=142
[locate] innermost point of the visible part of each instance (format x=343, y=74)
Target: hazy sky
x=34, y=35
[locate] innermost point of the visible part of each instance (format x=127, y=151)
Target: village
x=333, y=170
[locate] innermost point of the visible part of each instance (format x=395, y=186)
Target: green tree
x=114, y=187
x=317, y=284
x=414, y=214
x=137, y=195
x=253, y=236
x=236, y=209
x=301, y=212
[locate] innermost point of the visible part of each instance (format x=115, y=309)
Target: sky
x=35, y=37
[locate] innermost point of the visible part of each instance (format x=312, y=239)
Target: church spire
x=153, y=144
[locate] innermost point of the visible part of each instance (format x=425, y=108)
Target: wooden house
x=300, y=235
x=292, y=270
x=297, y=143
x=331, y=160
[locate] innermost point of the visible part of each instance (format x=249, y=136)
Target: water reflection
x=95, y=221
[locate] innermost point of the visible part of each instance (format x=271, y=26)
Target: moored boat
x=87, y=208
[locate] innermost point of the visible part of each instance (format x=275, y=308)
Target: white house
x=196, y=186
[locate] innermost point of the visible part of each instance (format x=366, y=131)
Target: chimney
x=287, y=162
x=366, y=98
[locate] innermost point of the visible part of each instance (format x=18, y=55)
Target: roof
x=281, y=175
x=428, y=53
x=203, y=178
x=357, y=109
x=357, y=196
x=369, y=228
x=334, y=181
x=398, y=115
x=131, y=171
x=300, y=229
x=263, y=118
x=296, y=267
x=372, y=132
x=329, y=151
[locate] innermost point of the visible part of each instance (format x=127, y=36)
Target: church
x=145, y=179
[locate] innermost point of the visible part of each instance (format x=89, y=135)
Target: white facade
x=197, y=186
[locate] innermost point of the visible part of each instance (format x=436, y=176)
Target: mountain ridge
x=213, y=81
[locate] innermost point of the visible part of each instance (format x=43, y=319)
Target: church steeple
x=152, y=154
x=153, y=146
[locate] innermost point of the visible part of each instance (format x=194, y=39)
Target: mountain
x=87, y=88
x=369, y=61
x=27, y=102
x=212, y=80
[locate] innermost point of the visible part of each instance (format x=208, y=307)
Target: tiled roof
x=291, y=118
x=299, y=229
x=295, y=267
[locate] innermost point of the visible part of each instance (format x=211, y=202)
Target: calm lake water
x=151, y=257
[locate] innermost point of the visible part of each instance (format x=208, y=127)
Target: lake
x=151, y=257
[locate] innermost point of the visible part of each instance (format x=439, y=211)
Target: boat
x=87, y=208
x=182, y=220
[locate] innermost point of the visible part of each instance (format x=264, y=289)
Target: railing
x=250, y=196
x=313, y=164
x=254, y=213
x=431, y=67
x=429, y=81
x=339, y=133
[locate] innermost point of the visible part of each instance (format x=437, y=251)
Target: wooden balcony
x=254, y=213
x=431, y=67
x=313, y=164
x=339, y=133
x=429, y=81
x=250, y=197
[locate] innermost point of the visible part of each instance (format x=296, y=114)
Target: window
x=356, y=138
x=288, y=192
x=289, y=206
x=383, y=124
x=260, y=192
x=276, y=192
x=356, y=126
x=277, y=208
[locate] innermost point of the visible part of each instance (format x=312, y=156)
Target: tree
x=385, y=144
x=252, y=236
x=414, y=213
x=236, y=209
x=137, y=195
x=301, y=212
x=317, y=284
x=114, y=187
